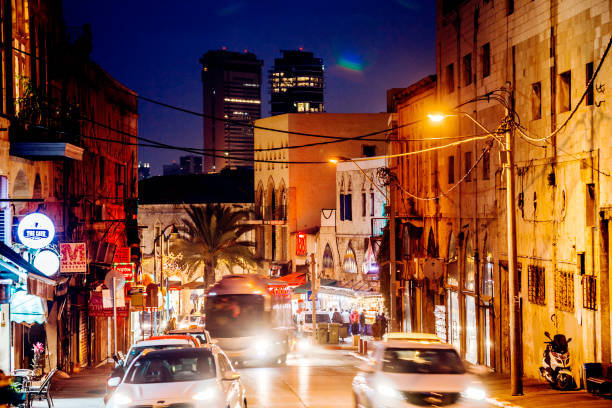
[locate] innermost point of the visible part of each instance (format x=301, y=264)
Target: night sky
x=153, y=47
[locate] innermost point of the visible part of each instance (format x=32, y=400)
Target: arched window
x=487, y=284
x=432, y=249
x=452, y=248
x=470, y=267
x=37, y=193
x=350, y=260
x=452, y=275
x=21, y=188
x=328, y=258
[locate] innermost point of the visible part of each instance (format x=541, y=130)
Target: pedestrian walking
x=336, y=317
x=354, y=322
x=362, y=322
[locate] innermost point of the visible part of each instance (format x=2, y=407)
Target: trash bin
x=322, y=333
x=355, y=340
x=334, y=330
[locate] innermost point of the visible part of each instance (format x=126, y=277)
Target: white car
x=199, y=333
x=415, y=374
x=189, y=377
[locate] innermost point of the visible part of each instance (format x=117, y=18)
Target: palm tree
x=212, y=237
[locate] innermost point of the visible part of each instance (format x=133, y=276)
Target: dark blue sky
x=153, y=47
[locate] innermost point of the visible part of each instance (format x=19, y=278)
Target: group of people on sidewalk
x=357, y=322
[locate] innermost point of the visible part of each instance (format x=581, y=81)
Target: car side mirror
x=114, y=381
x=547, y=334
x=231, y=376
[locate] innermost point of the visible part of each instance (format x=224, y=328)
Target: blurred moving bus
x=249, y=317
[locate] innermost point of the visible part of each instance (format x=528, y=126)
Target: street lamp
x=516, y=351
x=162, y=235
x=390, y=207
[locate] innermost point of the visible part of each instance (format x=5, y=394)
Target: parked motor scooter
x=556, y=362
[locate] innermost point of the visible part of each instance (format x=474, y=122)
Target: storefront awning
x=26, y=308
x=194, y=285
x=307, y=287
x=38, y=283
x=294, y=279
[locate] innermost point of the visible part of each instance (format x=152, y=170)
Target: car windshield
x=422, y=361
x=136, y=350
x=321, y=318
x=162, y=369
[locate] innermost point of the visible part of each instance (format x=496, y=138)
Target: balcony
x=41, y=144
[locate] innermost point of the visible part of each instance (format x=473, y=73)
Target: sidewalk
x=538, y=394
x=82, y=390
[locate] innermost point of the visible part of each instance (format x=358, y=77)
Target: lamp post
x=390, y=207
x=161, y=237
x=516, y=350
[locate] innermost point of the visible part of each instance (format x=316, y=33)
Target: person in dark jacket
x=337, y=317
x=362, y=322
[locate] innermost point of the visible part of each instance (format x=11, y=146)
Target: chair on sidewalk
x=596, y=382
x=38, y=393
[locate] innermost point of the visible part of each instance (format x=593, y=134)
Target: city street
x=320, y=380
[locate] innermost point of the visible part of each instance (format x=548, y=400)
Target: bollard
x=365, y=347
x=360, y=346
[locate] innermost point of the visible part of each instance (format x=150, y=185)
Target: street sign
x=73, y=257
x=126, y=269
x=310, y=296
x=36, y=230
x=119, y=279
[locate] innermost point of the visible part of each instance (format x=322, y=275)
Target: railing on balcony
x=270, y=213
x=378, y=224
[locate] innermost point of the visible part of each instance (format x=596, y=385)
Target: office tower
x=191, y=164
x=144, y=170
x=232, y=97
x=296, y=83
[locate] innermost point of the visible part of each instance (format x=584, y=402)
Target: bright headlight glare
x=474, y=393
x=205, y=395
x=388, y=391
x=121, y=399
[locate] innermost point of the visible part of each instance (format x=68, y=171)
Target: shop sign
x=73, y=257
x=300, y=244
x=36, y=231
x=96, y=307
x=126, y=269
x=122, y=255
x=46, y=261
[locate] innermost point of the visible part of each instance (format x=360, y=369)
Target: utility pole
x=392, y=267
x=314, y=288
x=516, y=351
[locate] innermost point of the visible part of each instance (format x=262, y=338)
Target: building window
x=590, y=99
x=450, y=78
x=536, y=101
x=589, y=292
x=486, y=165
x=565, y=94
x=452, y=276
x=328, y=258
x=341, y=207
x=509, y=7
x=486, y=60
x=348, y=207
x=451, y=169
x=488, y=284
x=368, y=150
x=467, y=69
x=581, y=264
x=363, y=204
x=350, y=261
x=470, y=266
x=468, y=165
x=372, y=205
x=564, y=291
x=590, y=205
x=536, y=282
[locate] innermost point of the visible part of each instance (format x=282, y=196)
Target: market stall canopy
x=306, y=287
x=26, y=308
x=194, y=285
x=294, y=279
x=38, y=283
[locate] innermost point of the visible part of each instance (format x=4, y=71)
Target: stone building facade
x=538, y=58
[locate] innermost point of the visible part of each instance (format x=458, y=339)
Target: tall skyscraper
x=296, y=83
x=232, y=91
x=191, y=164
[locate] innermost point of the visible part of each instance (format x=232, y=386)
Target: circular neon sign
x=36, y=230
x=47, y=262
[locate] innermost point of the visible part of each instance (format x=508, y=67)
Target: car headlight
x=205, y=395
x=121, y=399
x=474, y=393
x=261, y=347
x=388, y=391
